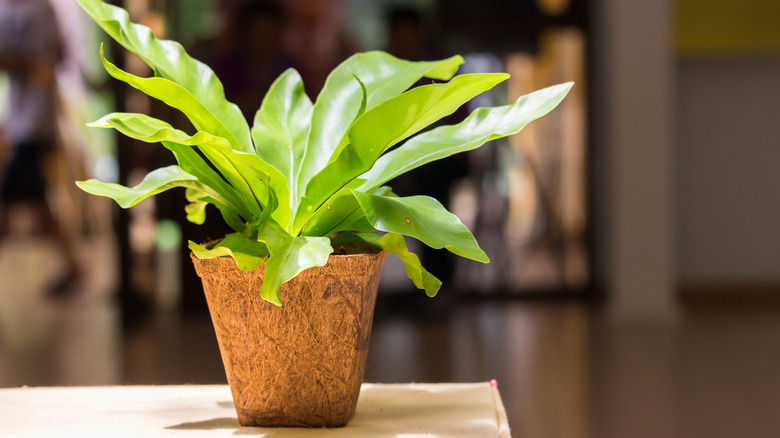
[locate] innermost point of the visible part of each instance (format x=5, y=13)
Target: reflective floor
x=562, y=370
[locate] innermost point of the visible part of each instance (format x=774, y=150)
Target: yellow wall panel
x=728, y=27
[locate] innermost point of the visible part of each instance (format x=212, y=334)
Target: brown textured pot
x=300, y=364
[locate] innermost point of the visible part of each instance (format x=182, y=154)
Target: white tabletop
x=399, y=410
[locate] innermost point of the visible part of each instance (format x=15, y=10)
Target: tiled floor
x=562, y=370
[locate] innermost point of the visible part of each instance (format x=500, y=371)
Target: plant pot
x=300, y=364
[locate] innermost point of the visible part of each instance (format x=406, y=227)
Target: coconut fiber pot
x=300, y=364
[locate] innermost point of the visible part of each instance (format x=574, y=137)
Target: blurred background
x=634, y=288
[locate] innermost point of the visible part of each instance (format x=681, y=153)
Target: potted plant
x=291, y=290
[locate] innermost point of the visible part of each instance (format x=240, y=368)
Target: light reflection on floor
x=562, y=371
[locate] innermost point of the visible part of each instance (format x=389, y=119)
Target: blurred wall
x=633, y=157
x=686, y=154
x=728, y=153
x=728, y=142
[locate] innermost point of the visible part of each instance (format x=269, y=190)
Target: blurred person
x=30, y=49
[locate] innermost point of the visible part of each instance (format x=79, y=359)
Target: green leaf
x=147, y=129
x=231, y=164
x=384, y=191
x=280, y=129
x=339, y=102
x=196, y=212
x=249, y=176
x=196, y=209
x=271, y=204
x=222, y=195
x=342, y=213
x=481, y=126
x=156, y=181
x=230, y=207
x=170, y=61
x=176, y=96
x=244, y=171
x=345, y=140
x=193, y=163
x=402, y=116
x=248, y=253
x=151, y=130
x=395, y=244
x=384, y=126
x=247, y=173
x=289, y=256
x=231, y=218
x=364, y=100
x=423, y=218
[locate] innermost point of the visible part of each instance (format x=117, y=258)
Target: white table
x=400, y=410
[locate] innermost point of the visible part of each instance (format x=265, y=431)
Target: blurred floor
x=562, y=370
